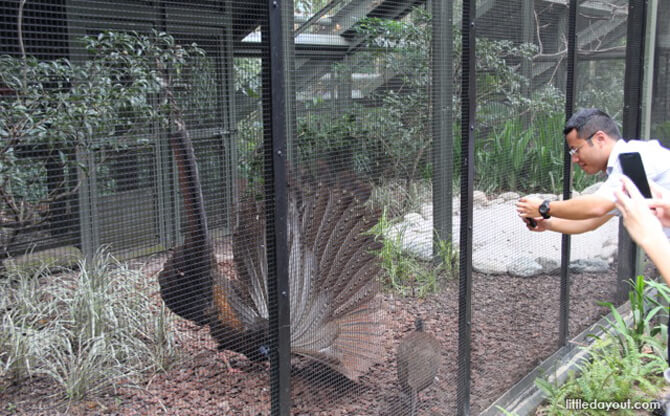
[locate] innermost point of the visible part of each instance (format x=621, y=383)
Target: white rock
x=507, y=196
x=413, y=220
x=524, y=267
x=427, y=211
x=488, y=265
x=589, y=266
x=549, y=265
x=550, y=197
x=497, y=201
x=419, y=245
x=612, y=241
x=479, y=197
x=608, y=252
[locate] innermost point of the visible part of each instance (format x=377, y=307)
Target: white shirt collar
x=614, y=155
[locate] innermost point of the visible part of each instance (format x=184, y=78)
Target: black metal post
x=527, y=36
x=567, y=174
x=468, y=112
x=443, y=139
x=632, y=118
x=275, y=127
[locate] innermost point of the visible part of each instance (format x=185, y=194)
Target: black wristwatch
x=544, y=209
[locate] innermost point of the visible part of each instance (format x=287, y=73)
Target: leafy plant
x=449, y=258
x=607, y=376
x=643, y=311
x=399, y=197
x=401, y=50
x=57, y=107
x=501, y=162
x=625, y=363
x=83, y=329
x=404, y=273
x=525, y=159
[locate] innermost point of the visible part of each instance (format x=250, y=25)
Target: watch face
x=544, y=208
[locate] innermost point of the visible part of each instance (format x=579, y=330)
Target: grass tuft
x=84, y=329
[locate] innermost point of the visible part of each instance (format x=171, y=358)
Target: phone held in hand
x=631, y=164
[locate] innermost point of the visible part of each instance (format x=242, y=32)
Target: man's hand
x=528, y=207
x=641, y=222
x=540, y=224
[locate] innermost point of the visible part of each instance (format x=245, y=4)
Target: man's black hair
x=589, y=120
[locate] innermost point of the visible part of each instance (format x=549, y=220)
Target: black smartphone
x=631, y=164
x=531, y=222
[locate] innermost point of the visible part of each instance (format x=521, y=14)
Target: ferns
x=624, y=365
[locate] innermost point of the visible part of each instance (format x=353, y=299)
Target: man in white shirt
x=595, y=144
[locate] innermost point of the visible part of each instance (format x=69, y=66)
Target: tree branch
x=19, y=25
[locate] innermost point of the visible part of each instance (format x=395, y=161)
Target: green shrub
x=406, y=274
x=83, y=329
x=525, y=159
x=625, y=363
x=644, y=309
x=610, y=375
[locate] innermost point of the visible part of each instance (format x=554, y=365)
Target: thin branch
x=19, y=25
x=588, y=52
x=537, y=29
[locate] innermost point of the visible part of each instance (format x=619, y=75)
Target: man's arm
x=564, y=226
x=579, y=208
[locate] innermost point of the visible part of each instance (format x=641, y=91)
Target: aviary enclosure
x=304, y=207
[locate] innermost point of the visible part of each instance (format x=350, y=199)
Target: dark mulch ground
x=514, y=327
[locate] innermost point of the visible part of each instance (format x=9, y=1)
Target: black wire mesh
x=363, y=126
x=594, y=262
x=521, y=48
x=660, y=100
x=160, y=132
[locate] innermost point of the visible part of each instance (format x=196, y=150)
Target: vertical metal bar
x=88, y=221
x=632, y=117
x=527, y=36
x=165, y=180
x=345, y=84
x=288, y=37
x=649, y=65
x=275, y=127
x=89, y=241
x=570, y=90
x=468, y=112
x=229, y=133
x=443, y=138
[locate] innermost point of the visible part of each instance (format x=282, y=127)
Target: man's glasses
x=574, y=151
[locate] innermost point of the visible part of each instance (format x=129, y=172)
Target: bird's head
x=257, y=344
x=418, y=324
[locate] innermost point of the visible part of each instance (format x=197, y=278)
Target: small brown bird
x=418, y=359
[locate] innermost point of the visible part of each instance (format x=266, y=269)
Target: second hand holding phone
x=631, y=165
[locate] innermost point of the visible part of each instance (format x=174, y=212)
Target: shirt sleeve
x=608, y=187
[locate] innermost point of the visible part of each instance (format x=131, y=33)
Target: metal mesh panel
x=660, y=98
x=518, y=153
x=364, y=114
x=600, y=61
x=253, y=207
x=120, y=136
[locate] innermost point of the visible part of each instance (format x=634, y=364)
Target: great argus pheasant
x=336, y=318
x=418, y=359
